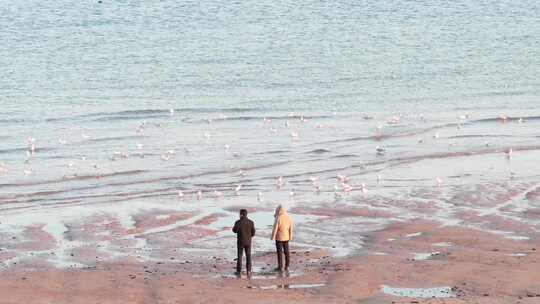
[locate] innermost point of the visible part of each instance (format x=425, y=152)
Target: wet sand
x=478, y=267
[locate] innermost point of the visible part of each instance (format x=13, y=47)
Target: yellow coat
x=283, y=226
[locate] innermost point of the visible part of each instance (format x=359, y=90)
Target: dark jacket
x=245, y=230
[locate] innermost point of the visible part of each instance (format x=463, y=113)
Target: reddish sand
x=480, y=267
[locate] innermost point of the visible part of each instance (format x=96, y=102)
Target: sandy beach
x=459, y=266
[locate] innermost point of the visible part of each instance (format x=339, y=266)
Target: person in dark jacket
x=245, y=230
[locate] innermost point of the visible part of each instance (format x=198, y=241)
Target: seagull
x=279, y=182
x=292, y=194
x=27, y=172
x=70, y=165
x=509, y=153
x=180, y=194
x=436, y=135
x=62, y=141
x=206, y=135
x=363, y=188
x=378, y=178
x=439, y=181
x=267, y=120
x=227, y=147
x=346, y=187
x=199, y=195
x=237, y=189
x=140, y=146
x=171, y=112
x=287, y=124
x=259, y=197
x=380, y=150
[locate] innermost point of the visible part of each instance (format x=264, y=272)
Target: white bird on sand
x=279, y=182
x=509, y=153
x=378, y=178
x=363, y=188
x=180, y=194
x=140, y=146
x=267, y=120
x=436, y=135
x=227, y=147
x=71, y=165
x=171, y=112
x=62, y=141
x=27, y=172
x=207, y=135
x=346, y=187
x=287, y=124
x=520, y=120
x=273, y=130
x=32, y=148
x=259, y=197
x=199, y=195
x=380, y=150
x=31, y=140
x=292, y=194
x=439, y=181
x=237, y=189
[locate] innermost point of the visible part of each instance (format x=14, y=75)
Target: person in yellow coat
x=282, y=233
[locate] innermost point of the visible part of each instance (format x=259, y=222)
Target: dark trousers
x=282, y=246
x=241, y=248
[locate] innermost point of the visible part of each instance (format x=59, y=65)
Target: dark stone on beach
x=486, y=294
x=495, y=249
x=534, y=249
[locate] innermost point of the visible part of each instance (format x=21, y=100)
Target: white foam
x=434, y=292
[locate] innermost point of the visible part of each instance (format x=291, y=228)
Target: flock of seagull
x=343, y=185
